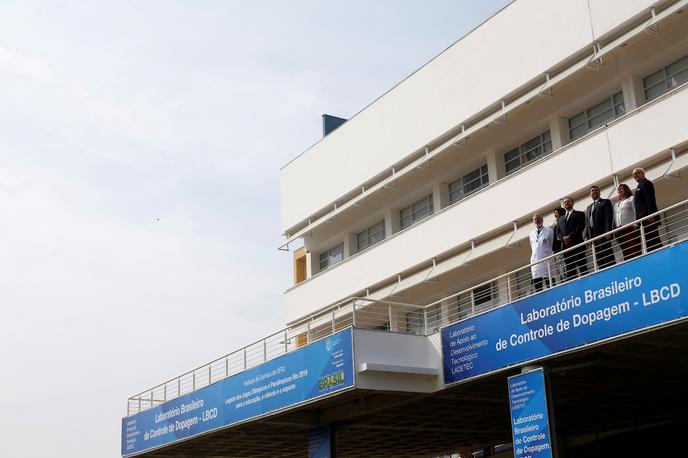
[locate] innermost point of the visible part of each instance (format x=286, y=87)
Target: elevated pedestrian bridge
x=434, y=380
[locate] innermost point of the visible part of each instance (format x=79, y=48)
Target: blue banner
x=529, y=416
x=629, y=297
x=316, y=370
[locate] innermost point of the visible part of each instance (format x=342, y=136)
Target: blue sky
x=140, y=146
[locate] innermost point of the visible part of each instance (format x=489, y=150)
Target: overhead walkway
x=388, y=385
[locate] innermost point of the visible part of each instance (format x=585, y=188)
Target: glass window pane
x=620, y=109
x=577, y=120
x=653, y=79
x=618, y=98
x=532, y=143
x=511, y=155
x=578, y=132
x=655, y=91
x=678, y=78
x=601, y=118
x=600, y=108
x=547, y=147
x=533, y=154
x=676, y=67
x=546, y=136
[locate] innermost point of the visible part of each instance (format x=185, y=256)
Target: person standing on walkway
x=572, y=225
x=645, y=204
x=600, y=222
x=541, y=240
x=624, y=214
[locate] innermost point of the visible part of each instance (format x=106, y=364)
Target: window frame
x=416, y=211
x=460, y=192
x=666, y=80
x=614, y=104
x=367, y=235
x=523, y=155
x=328, y=255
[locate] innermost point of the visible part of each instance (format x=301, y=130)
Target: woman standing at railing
x=557, y=246
x=624, y=213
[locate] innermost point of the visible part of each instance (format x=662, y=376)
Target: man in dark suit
x=645, y=204
x=572, y=225
x=600, y=221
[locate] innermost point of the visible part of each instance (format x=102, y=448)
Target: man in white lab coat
x=541, y=241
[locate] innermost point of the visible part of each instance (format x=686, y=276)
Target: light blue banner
x=529, y=417
x=316, y=370
x=636, y=295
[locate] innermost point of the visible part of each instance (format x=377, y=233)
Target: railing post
x=265, y=350
x=389, y=316
x=139, y=403
x=472, y=303
x=308, y=331
x=245, y=359
x=193, y=381
x=286, y=342
x=353, y=313
x=508, y=288
x=164, y=392
x=151, y=398
x=595, y=267
x=210, y=374
x=549, y=273
x=227, y=366
x=334, y=328
x=179, y=386
x=425, y=321
x=643, y=240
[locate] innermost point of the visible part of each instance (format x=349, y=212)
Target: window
x=331, y=256
x=416, y=212
x=370, y=236
x=608, y=109
x=533, y=149
x=468, y=184
x=670, y=76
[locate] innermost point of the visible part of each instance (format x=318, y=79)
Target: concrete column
x=633, y=92
x=349, y=244
x=312, y=264
x=392, y=222
x=495, y=167
x=559, y=130
x=440, y=195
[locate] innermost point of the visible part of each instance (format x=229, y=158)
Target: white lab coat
x=541, y=247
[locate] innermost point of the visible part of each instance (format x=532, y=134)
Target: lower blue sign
x=529, y=416
x=320, y=442
x=632, y=296
x=318, y=369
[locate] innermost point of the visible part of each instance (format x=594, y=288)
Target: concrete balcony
x=643, y=136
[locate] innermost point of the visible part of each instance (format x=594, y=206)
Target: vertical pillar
x=391, y=221
x=494, y=166
x=559, y=130
x=633, y=92
x=349, y=245
x=440, y=195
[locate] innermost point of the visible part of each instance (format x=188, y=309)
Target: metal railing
x=622, y=244
x=626, y=242
x=359, y=312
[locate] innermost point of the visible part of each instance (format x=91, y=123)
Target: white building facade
x=413, y=217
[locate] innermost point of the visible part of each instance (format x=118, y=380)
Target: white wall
x=576, y=167
x=513, y=47
x=394, y=349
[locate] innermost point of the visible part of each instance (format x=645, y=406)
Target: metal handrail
x=586, y=243
x=370, y=313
